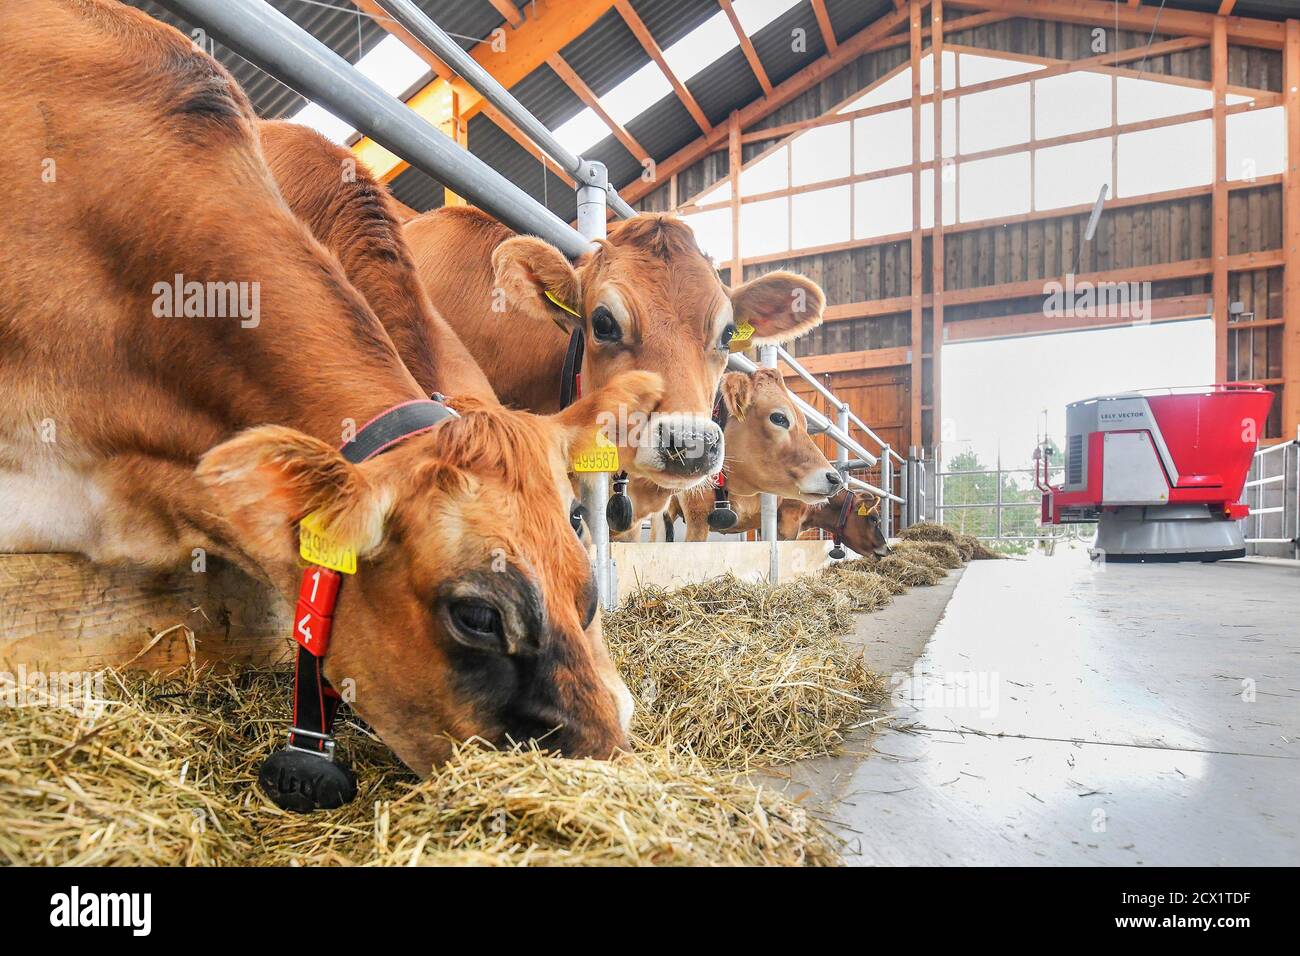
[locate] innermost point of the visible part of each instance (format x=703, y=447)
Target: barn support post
x=768, y=503
x=1291, y=234
x=1219, y=199
x=592, y=223
x=917, y=347
x=936, y=235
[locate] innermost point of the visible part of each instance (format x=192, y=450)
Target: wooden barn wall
x=1247, y=66
x=1255, y=354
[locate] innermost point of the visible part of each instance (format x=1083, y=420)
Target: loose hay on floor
x=947, y=556
x=911, y=573
x=867, y=590
x=742, y=674
x=970, y=547
x=162, y=771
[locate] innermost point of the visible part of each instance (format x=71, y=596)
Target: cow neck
x=317, y=782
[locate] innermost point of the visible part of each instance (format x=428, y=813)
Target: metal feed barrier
x=267, y=38
x=1273, y=528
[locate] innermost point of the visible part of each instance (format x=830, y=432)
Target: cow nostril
x=833, y=478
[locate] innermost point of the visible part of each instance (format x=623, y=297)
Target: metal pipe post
x=768, y=503
x=887, y=482
x=595, y=489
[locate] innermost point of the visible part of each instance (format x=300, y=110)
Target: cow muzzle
x=681, y=450
x=819, y=485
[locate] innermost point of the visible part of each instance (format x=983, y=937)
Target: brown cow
x=768, y=450
x=853, y=515
x=158, y=300
x=647, y=298
x=355, y=217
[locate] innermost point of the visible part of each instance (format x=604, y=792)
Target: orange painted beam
x=585, y=93
x=1265, y=33
x=824, y=24
x=509, y=56
x=1225, y=8
x=642, y=33
x=748, y=46
x=508, y=10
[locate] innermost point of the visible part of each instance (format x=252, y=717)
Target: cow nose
x=688, y=446
x=833, y=479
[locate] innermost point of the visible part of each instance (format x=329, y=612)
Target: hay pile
x=867, y=590
x=911, y=570
x=739, y=674
x=970, y=547
x=162, y=771
x=946, y=556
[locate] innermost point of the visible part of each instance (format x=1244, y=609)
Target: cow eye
x=477, y=619
x=779, y=419
x=724, y=340
x=603, y=325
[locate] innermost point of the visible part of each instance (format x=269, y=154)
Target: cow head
x=647, y=298
x=768, y=447
x=471, y=613
x=862, y=531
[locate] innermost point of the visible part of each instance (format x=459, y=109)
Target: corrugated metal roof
x=417, y=190
x=606, y=54
x=726, y=84
x=776, y=44
x=664, y=128
x=494, y=147
x=670, y=20
x=547, y=97
x=849, y=16
x=343, y=31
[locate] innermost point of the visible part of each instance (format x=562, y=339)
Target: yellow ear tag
x=560, y=305
x=862, y=510
x=740, y=338
x=317, y=547
x=602, y=455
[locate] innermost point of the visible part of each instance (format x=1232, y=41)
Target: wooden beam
x=642, y=33
x=860, y=361
x=1265, y=33
x=1225, y=8
x=59, y=612
x=936, y=237
x=783, y=93
x=747, y=45
x=574, y=82
x=526, y=47
x=1219, y=198
x=1172, y=309
x=916, y=436
x=508, y=10
x=440, y=108
x=1291, y=236
x=824, y=24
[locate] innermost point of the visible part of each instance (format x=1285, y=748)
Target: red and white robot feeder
x=1161, y=472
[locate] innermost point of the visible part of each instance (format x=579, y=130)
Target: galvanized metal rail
x=272, y=41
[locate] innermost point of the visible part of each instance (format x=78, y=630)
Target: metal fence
x=1273, y=528
x=269, y=39
x=992, y=505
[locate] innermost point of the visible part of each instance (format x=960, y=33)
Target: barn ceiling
x=605, y=55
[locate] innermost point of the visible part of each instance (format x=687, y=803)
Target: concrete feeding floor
x=1150, y=715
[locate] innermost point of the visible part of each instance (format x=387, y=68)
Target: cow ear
x=737, y=392
x=628, y=397
x=265, y=480
x=538, y=280
x=780, y=306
